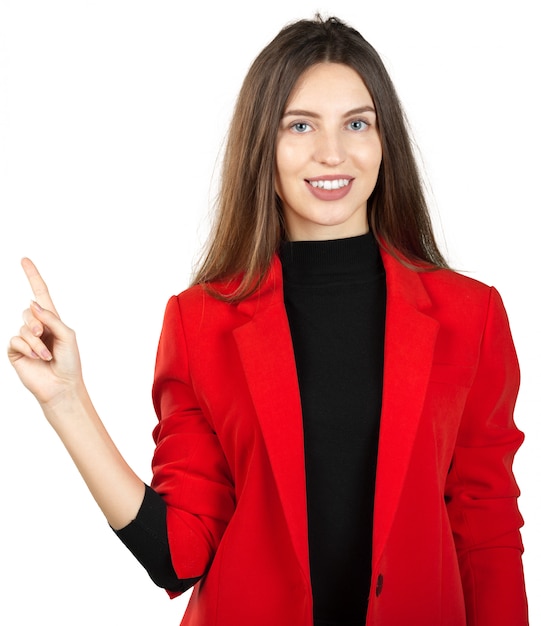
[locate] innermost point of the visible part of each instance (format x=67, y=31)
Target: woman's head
x=328, y=155
x=249, y=221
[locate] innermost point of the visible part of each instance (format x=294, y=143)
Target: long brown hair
x=249, y=223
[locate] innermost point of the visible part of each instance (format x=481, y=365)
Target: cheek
x=284, y=160
x=367, y=154
x=285, y=168
x=278, y=168
x=371, y=158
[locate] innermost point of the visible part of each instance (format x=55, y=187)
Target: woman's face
x=328, y=154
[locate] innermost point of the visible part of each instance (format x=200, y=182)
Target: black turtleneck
x=335, y=298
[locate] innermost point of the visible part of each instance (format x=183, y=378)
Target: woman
x=335, y=436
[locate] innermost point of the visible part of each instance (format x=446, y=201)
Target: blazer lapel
x=266, y=351
x=410, y=336
x=264, y=343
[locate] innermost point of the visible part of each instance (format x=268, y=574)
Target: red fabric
x=229, y=458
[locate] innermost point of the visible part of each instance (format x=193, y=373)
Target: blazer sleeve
x=481, y=492
x=190, y=470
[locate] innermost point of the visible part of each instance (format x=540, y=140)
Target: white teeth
x=330, y=184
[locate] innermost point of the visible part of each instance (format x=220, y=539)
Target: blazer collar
x=410, y=337
x=266, y=351
x=264, y=343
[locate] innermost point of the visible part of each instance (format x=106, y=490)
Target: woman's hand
x=45, y=353
x=46, y=358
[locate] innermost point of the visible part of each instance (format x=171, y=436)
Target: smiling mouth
x=337, y=183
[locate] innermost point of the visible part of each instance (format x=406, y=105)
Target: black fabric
x=335, y=297
x=146, y=538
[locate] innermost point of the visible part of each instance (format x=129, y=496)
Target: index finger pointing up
x=38, y=286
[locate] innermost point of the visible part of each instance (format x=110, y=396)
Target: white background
x=112, y=115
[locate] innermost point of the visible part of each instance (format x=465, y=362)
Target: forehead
x=330, y=82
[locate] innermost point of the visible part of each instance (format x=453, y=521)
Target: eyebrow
x=305, y=113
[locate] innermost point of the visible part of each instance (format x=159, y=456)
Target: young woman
x=335, y=436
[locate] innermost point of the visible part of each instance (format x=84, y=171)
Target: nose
x=329, y=148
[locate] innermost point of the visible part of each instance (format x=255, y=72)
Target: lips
x=329, y=187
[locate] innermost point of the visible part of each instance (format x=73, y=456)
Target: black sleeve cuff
x=146, y=538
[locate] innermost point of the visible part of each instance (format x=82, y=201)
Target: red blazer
x=229, y=458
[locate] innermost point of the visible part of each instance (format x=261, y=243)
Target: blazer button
x=379, y=585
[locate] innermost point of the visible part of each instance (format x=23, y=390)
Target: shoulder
x=464, y=302
x=214, y=295
x=198, y=302
x=200, y=309
x=454, y=283
x=457, y=301
x=439, y=286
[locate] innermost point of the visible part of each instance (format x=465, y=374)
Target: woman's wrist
x=69, y=406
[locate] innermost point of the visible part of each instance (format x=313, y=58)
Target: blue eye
x=358, y=125
x=300, y=127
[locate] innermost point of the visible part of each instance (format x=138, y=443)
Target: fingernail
x=36, y=306
x=36, y=330
x=34, y=355
x=46, y=354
